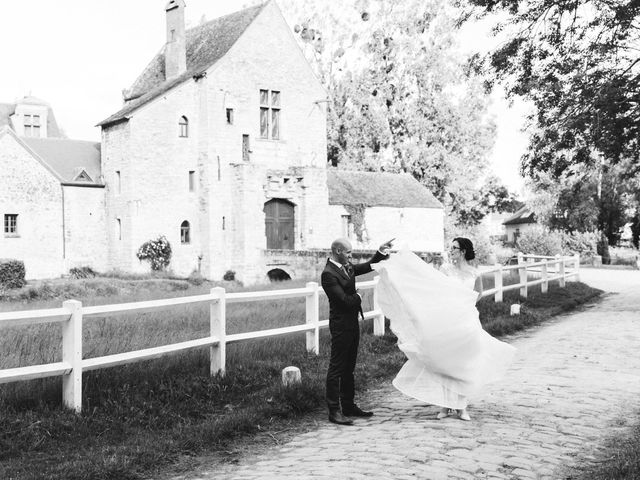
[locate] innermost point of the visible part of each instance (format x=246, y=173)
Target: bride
x=433, y=314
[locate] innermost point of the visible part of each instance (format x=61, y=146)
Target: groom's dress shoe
x=355, y=411
x=339, y=418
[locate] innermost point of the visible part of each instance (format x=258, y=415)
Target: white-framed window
x=185, y=233
x=192, y=180
x=183, y=126
x=32, y=125
x=270, y=106
x=11, y=224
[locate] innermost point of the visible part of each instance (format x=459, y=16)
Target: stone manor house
x=221, y=147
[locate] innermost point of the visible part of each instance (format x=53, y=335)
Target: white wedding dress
x=450, y=357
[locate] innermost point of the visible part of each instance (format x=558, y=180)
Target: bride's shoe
x=463, y=414
x=444, y=413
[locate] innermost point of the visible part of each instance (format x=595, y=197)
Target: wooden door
x=279, y=218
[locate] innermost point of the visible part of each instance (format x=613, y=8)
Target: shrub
x=195, y=278
x=540, y=240
x=82, y=272
x=157, y=251
x=583, y=243
x=229, y=275
x=12, y=274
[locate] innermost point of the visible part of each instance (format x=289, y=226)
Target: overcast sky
x=78, y=55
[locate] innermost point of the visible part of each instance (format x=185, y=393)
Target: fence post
x=544, y=286
x=497, y=280
x=378, y=320
x=576, y=260
x=218, y=329
x=522, y=273
x=562, y=279
x=72, y=354
x=313, y=317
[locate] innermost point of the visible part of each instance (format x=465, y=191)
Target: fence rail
x=72, y=313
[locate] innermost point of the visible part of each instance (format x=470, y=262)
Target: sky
x=78, y=55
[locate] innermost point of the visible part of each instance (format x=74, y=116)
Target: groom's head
x=341, y=251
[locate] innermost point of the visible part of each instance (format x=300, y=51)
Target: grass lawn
x=142, y=419
x=619, y=461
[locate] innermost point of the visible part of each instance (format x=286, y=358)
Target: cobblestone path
x=572, y=383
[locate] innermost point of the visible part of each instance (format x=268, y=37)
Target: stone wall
x=85, y=228
x=32, y=191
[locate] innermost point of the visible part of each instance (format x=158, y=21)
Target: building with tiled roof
x=220, y=145
x=521, y=221
x=51, y=203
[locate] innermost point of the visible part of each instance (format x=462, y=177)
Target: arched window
x=184, y=126
x=185, y=233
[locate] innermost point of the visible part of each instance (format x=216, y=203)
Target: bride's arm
x=479, y=287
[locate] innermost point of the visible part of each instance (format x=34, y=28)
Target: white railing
x=72, y=314
x=546, y=268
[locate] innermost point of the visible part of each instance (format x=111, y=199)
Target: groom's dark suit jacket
x=344, y=302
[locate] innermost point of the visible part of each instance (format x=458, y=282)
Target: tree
x=577, y=62
x=401, y=99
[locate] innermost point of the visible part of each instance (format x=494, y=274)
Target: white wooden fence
x=72, y=314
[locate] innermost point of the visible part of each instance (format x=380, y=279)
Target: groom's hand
x=386, y=246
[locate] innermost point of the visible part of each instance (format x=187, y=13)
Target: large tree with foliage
x=401, y=96
x=577, y=61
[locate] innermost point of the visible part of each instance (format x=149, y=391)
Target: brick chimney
x=175, y=53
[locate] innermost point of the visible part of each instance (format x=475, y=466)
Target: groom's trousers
x=342, y=363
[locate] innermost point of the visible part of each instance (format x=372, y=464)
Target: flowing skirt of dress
x=449, y=356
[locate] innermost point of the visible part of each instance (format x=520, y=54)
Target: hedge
x=12, y=273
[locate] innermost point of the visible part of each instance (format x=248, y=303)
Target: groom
x=339, y=283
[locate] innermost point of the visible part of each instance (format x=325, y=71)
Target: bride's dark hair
x=466, y=246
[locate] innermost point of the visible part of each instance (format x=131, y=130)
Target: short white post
x=378, y=320
x=72, y=354
x=522, y=271
x=313, y=317
x=497, y=280
x=544, y=286
x=218, y=329
x=291, y=375
x=576, y=261
x=562, y=272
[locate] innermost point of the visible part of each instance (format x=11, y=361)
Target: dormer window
x=32, y=125
x=183, y=127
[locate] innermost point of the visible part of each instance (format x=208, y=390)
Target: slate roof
x=205, y=44
x=68, y=158
x=523, y=215
x=378, y=189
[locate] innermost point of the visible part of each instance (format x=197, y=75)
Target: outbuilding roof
x=523, y=215
x=205, y=45
x=378, y=189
